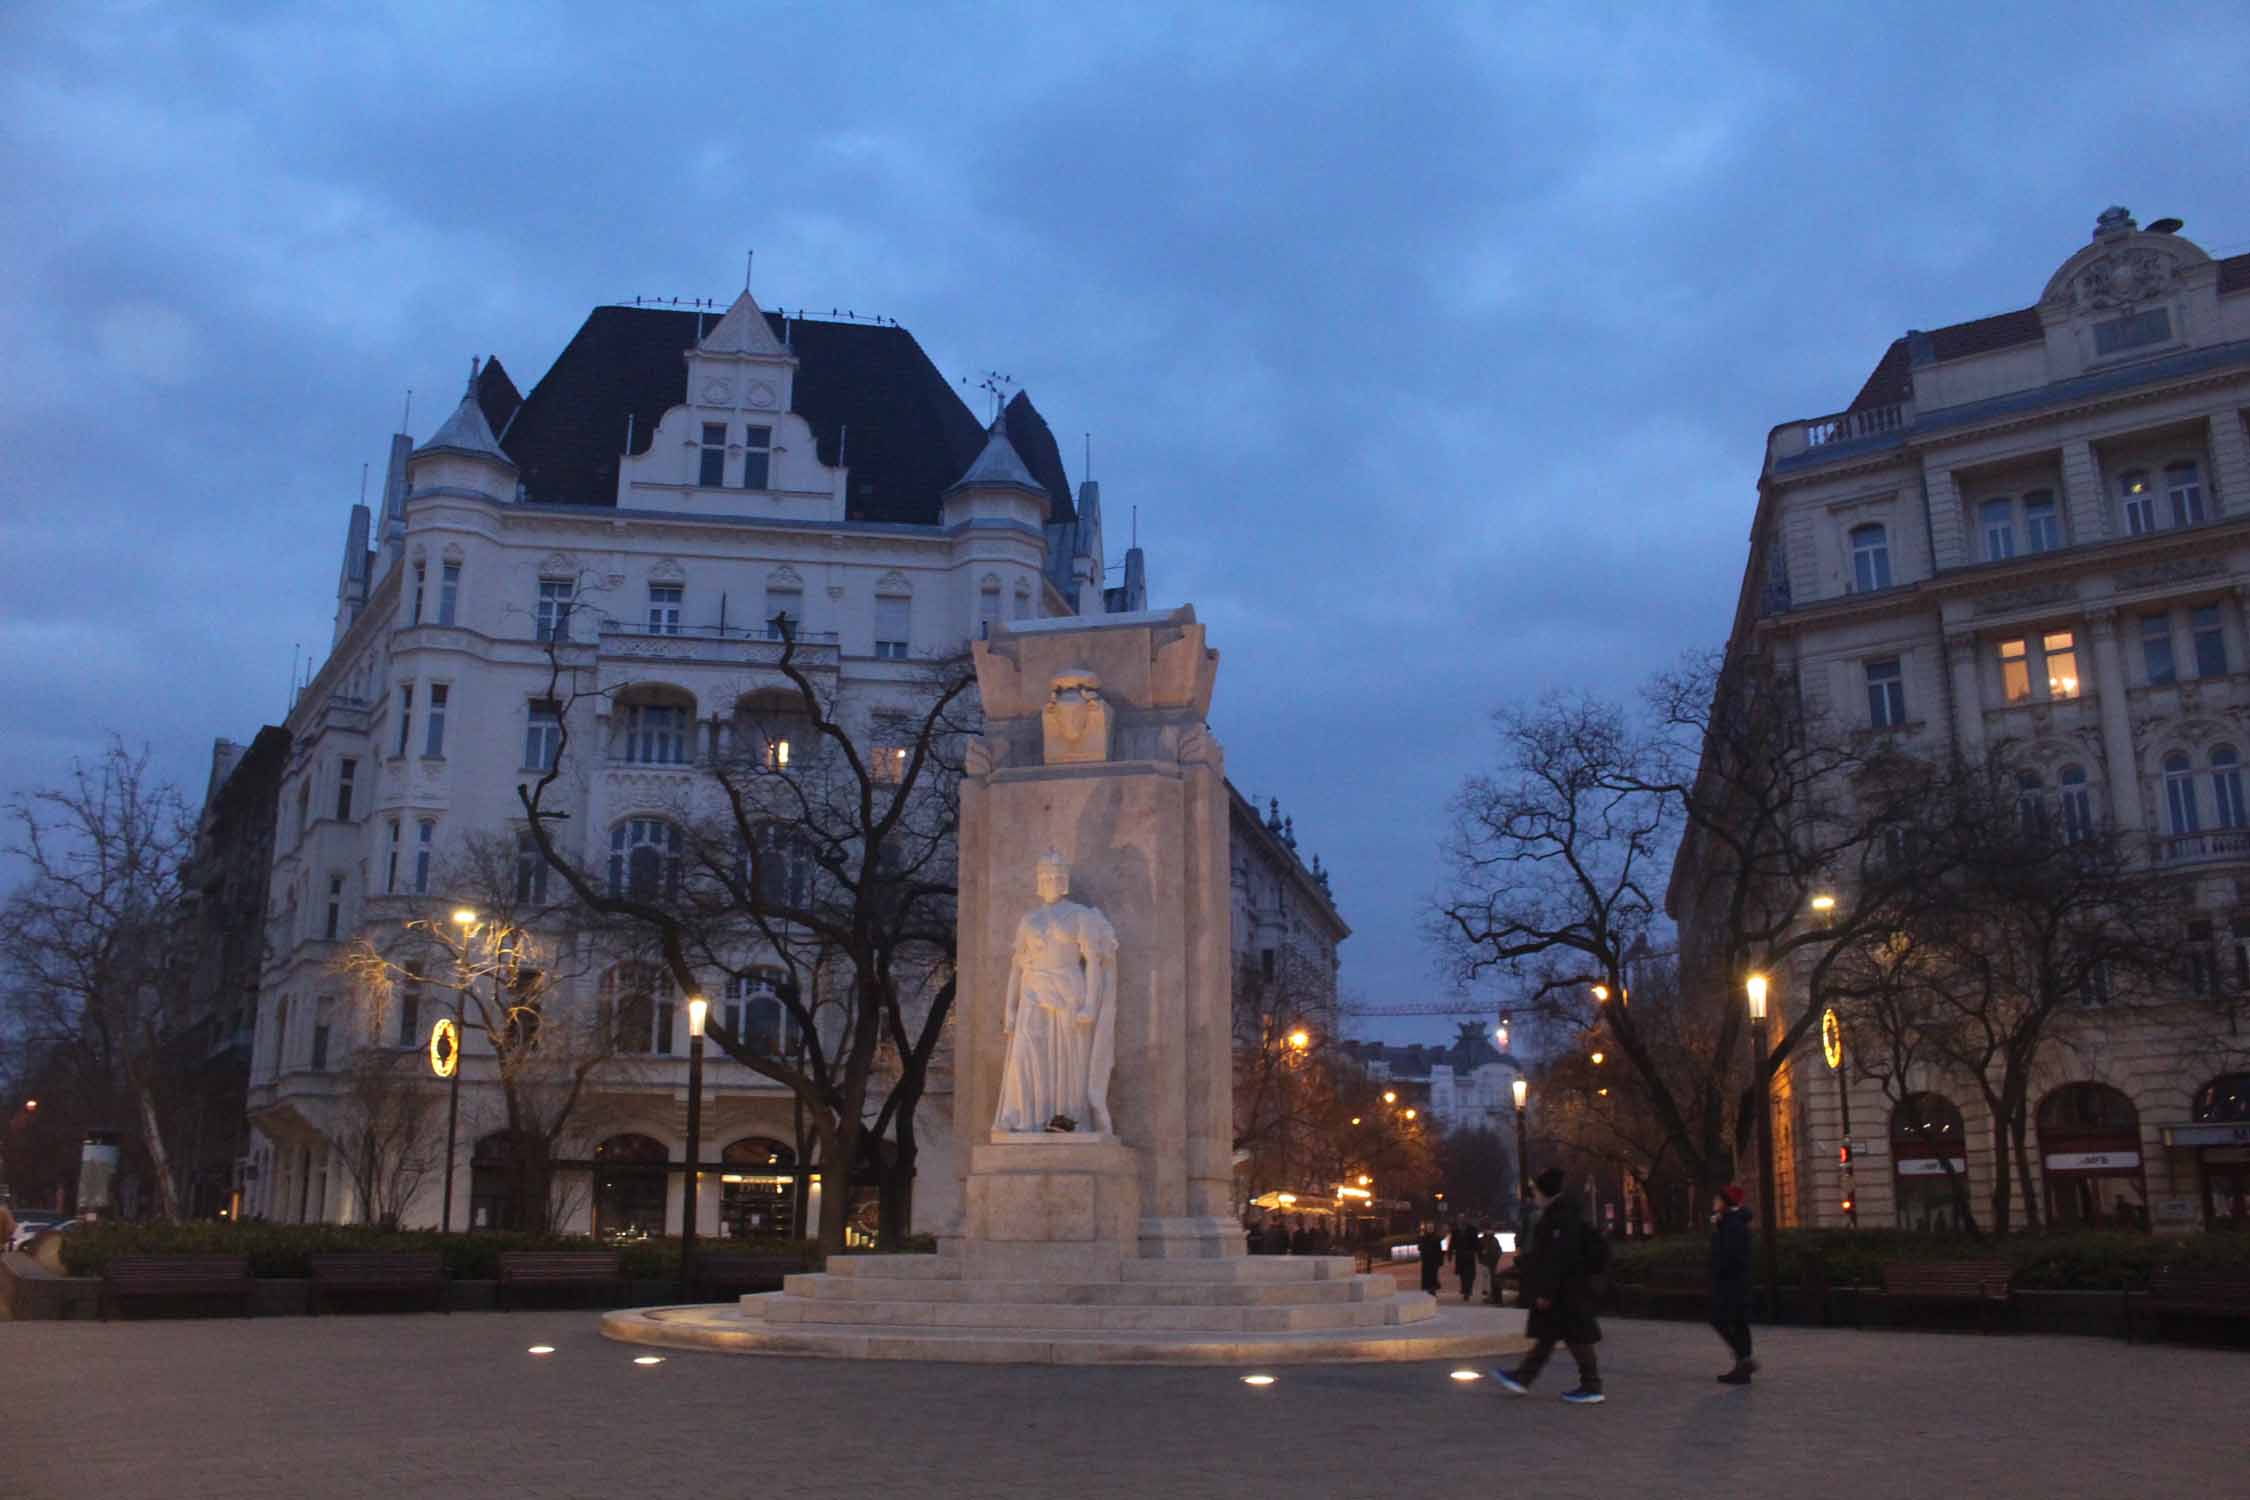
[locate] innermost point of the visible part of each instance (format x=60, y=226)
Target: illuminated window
x=2015, y=672
x=2139, y=502
x=2062, y=663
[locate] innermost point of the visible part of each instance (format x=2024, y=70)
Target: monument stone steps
x=1237, y=1270
x=774, y=1309
x=1095, y=1293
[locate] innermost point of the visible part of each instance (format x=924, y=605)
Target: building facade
x=2030, y=533
x=676, y=482
x=1466, y=1084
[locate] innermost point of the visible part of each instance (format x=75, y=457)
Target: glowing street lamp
x=1390, y=1096
x=1824, y=903
x=1755, y=987
x=1521, y=1088
x=1598, y=1058
x=1410, y=1114
x=698, y=1011
x=1300, y=1039
x=465, y=918
x=1601, y=993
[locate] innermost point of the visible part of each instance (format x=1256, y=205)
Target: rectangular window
x=335, y=907
x=2201, y=955
x=664, y=609
x=783, y=599
x=420, y=578
x=1871, y=558
x=542, y=735
x=893, y=616
x=2061, y=651
x=2077, y=806
x=321, y=1010
x=346, y=770
x=554, y=609
x=1999, y=520
x=281, y=1034
x=656, y=734
x=390, y=859
x=664, y=1013
x=1886, y=694
x=405, y=716
x=2156, y=650
x=2139, y=502
x=425, y=844
x=2133, y=332
x=531, y=870
x=2042, y=525
x=2015, y=672
x=434, y=746
x=757, y=457
x=2183, y=486
x=449, y=593
x=2210, y=641
x=410, y=1015
x=714, y=471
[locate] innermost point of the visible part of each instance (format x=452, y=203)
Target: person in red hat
x=1730, y=1280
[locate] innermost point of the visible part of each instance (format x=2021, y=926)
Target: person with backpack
x=1730, y=1281
x=1559, y=1263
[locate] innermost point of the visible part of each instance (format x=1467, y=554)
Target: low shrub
x=2089, y=1260
x=286, y=1250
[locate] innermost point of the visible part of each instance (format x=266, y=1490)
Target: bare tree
x=1284, y=1033
x=89, y=941
x=388, y=1132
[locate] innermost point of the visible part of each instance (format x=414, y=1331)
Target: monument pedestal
x=1039, y=1203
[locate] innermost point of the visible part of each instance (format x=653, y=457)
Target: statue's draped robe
x=1061, y=1005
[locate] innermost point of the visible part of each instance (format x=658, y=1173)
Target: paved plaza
x=431, y=1405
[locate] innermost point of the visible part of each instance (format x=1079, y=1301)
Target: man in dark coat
x=1465, y=1238
x=1730, y=1280
x=1558, y=1264
x=1431, y=1247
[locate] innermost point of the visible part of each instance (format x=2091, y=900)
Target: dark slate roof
x=1890, y=382
x=497, y=395
x=1471, y=1050
x=868, y=391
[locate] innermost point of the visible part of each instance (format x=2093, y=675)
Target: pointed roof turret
x=466, y=431
x=744, y=330
x=999, y=464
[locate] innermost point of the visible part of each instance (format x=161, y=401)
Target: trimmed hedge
x=284, y=1250
x=2092, y=1260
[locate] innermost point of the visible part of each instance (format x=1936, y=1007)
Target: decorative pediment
x=558, y=565
x=893, y=582
x=784, y=577
x=2123, y=279
x=667, y=570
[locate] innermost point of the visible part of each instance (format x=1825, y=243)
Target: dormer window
x=757, y=458
x=1871, y=558
x=714, y=471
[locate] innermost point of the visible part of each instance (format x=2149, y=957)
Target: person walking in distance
x=1464, y=1247
x=1431, y=1247
x=1730, y=1280
x=1559, y=1264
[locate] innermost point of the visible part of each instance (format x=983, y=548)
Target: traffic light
x=1844, y=1154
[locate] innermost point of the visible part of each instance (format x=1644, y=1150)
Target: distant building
x=1464, y=1086
x=1286, y=928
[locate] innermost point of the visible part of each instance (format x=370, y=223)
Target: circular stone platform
x=1454, y=1332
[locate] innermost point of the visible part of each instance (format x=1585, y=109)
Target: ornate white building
x=2033, y=530
x=672, y=484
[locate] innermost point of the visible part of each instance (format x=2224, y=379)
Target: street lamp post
x=698, y=1009
x=1521, y=1088
x=1757, y=990
x=466, y=920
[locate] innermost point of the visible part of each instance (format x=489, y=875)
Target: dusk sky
x=1435, y=346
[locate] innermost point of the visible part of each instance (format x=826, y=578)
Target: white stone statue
x=1060, y=1016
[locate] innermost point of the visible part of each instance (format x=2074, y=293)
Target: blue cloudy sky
x=1436, y=345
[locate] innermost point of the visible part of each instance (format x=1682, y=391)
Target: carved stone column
x=2117, y=721
x=2230, y=465
x=1961, y=648
x=2087, y=507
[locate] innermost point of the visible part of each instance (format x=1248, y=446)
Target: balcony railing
x=2203, y=848
x=1797, y=438
x=732, y=644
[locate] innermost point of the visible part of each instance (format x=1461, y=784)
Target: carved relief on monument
x=2122, y=280
x=1076, y=722
x=1059, y=1018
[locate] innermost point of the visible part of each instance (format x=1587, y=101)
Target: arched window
x=2090, y=1146
x=2183, y=487
x=655, y=727
x=1871, y=558
x=2226, y=787
x=2137, y=502
x=644, y=859
x=770, y=732
x=778, y=866
x=2077, y=801
x=2179, y=793
x=2031, y=805
x=637, y=1012
x=758, y=1194
x=756, y=1016
x=1929, y=1164
x=2225, y=1100
x=629, y=1179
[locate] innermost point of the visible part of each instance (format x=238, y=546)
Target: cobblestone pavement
x=432, y=1405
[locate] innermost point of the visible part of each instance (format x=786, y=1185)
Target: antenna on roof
x=294, y=648
x=363, y=484
x=1136, y=525
x=406, y=417
x=749, y=258
x=1089, y=457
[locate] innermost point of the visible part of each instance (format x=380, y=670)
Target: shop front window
x=758, y=1190
x=2090, y=1153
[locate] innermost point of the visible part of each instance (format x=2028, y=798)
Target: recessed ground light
x=1465, y=1376
x=648, y=1359
x=1257, y=1380
x=540, y=1349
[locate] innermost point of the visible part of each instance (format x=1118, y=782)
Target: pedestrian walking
x=1465, y=1237
x=1431, y=1247
x=1559, y=1265
x=1730, y=1280
x=1488, y=1256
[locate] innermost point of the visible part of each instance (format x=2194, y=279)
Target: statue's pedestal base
x=1062, y=1201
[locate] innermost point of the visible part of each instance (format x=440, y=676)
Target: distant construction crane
x=1464, y=1007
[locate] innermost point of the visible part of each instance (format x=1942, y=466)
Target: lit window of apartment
x=449, y=593
x=2210, y=641
x=2156, y=650
x=1886, y=693
x=757, y=457
x=2138, y=501
x=347, y=770
x=1871, y=558
x=554, y=609
x=433, y=745
x=893, y=620
x=714, y=470
x=405, y=717
x=2077, y=804
x=542, y=735
x=425, y=848
x=664, y=608
x=2057, y=666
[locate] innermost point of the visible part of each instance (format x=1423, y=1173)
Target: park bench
x=409, y=1272
x=1981, y=1284
x=2193, y=1291
x=176, y=1277
x=718, y=1278
x=602, y=1270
